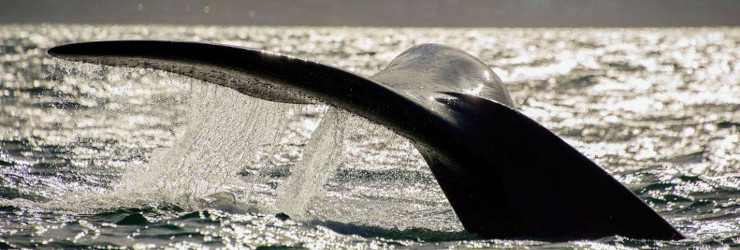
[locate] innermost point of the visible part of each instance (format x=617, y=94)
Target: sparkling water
x=94, y=156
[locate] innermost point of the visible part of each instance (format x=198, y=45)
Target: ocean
x=98, y=156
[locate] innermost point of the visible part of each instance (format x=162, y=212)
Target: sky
x=386, y=13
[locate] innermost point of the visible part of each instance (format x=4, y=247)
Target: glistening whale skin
x=505, y=175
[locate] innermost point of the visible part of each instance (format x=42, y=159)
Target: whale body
x=505, y=175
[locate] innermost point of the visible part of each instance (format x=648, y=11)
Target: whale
x=505, y=175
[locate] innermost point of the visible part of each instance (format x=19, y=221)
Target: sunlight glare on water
x=94, y=156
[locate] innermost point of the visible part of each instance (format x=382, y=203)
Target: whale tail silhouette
x=505, y=175
x=530, y=183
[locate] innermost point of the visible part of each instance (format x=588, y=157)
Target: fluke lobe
x=505, y=175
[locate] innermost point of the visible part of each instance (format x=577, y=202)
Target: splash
x=225, y=131
x=346, y=148
x=321, y=157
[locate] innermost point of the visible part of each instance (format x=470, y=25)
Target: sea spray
x=377, y=158
x=347, y=142
x=224, y=132
x=322, y=155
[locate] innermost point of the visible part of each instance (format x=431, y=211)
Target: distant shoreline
x=381, y=13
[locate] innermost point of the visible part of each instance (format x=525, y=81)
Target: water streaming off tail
x=383, y=181
x=348, y=154
x=321, y=157
x=225, y=131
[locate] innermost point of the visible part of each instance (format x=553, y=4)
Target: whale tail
x=504, y=174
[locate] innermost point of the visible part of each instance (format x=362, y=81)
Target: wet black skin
x=505, y=175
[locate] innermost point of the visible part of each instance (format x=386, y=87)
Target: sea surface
x=96, y=156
